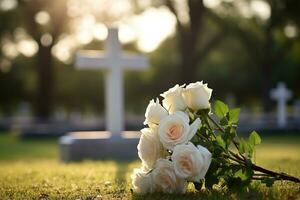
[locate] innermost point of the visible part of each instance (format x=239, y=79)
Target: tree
x=264, y=39
x=191, y=46
x=44, y=59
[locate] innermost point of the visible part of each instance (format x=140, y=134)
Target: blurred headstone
x=23, y=115
x=230, y=100
x=281, y=94
x=113, y=143
x=24, y=110
x=60, y=114
x=75, y=116
x=297, y=110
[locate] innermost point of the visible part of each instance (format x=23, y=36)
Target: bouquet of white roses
x=183, y=143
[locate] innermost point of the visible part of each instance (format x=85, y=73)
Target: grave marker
x=281, y=94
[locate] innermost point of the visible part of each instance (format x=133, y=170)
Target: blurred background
x=242, y=49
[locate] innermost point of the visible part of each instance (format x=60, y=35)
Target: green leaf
x=223, y=121
x=254, y=138
x=230, y=132
x=246, y=148
x=195, y=140
x=242, y=146
x=240, y=174
x=227, y=136
x=220, y=141
x=234, y=115
x=220, y=108
x=268, y=181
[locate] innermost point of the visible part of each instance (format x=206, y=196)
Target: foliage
x=217, y=67
x=230, y=169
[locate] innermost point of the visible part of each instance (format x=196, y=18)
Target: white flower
x=191, y=162
x=165, y=179
x=141, y=181
x=175, y=129
x=154, y=113
x=150, y=148
x=173, y=100
x=197, y=96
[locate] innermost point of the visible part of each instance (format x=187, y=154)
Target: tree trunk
x=188, y=37
x=188, y=68
x=266, y=86
x=45, y=74
x=267, y=69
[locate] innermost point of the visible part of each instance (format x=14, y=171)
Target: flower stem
x=242, y=160
x=281, y=176
x=236, y=144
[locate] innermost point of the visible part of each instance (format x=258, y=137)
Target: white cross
x=281, y=94
x=113, y=62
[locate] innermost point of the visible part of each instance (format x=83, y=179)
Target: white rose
x=191, y=162
x=173, y=100
x=165, y=179
x=154, y=113
x=175, y=129
x=197, y=96
x=141, y=181
x=150, y=148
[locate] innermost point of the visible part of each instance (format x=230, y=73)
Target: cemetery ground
x=30, y=170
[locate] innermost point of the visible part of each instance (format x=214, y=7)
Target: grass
x=31, y=170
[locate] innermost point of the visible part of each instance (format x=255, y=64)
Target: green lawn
x=31, y=170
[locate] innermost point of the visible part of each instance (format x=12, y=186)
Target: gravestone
x=296, y=110
x=230, y=100
x=281, y=94
x=115, y=143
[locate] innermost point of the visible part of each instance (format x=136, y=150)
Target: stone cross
x=112, y=61
x=281, y=94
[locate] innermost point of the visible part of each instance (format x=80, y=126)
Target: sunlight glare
x=7, y=5
x=84, y=37
x=9, y=49
x=46, y=39
x=126, y=34
x=61, y=53
x=100, y=31
x=63, y=49
x=290, y=31
x=27, y=47
x=84, y=29
x=261, y=9
x=153, y=26
x=183, y=11
x=244, y=9
x=42, y=17
x=211, y=3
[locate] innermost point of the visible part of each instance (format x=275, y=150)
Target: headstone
x=230, y=100
x=296, y=110
x=115, y=143
x=75, y=116
x=60, y=114
x=281, y=94
x=23, y=113
x=22, y=117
